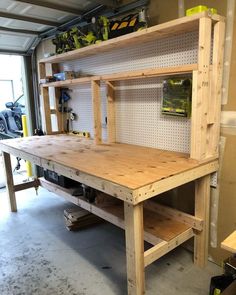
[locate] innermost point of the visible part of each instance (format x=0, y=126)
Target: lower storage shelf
x=164, y=232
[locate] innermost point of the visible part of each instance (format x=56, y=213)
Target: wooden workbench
x=132, y=174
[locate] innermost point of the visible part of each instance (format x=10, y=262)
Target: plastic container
x=198, y=9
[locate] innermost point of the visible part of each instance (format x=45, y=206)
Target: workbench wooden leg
x=134, y=248
x=202, y=208
x=9, y=181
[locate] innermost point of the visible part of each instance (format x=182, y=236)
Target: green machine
x=177, y=96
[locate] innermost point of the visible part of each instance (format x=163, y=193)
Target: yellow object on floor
x=199, y=8
x=25, y=133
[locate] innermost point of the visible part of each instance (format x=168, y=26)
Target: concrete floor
x=38, y=256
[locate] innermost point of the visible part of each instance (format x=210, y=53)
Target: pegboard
x=138, y=102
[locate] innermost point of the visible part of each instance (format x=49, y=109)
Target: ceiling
x=22, y=21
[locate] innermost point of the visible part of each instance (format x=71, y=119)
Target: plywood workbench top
x=128, y=165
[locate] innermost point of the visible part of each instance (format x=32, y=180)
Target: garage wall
x=161, y=11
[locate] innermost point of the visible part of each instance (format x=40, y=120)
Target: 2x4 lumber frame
x=216, y=88
x=70, y=82
x=121, y=192
x=161, y=186
x=164, y=247
x=9, y=181
x=202, y=210
x=134, y=248
x=111, y=114
x=54, y=68
x=29, y=19
x=185, y=218
x=101, y=212
x=26, y=185
x=46, y=111
x=53, y=6
x=96, y=99
x=146, y=73
x=201, y=93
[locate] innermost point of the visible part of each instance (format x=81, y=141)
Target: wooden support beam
x=46, y=110
x=216, y=89
x=201, y=93
x=54, y=68
x=111, y=113
x=202, y=210
x=148, y=73
x=185, y=218
x=26, y=185
x=96, y=98
x=164, y=247
x=134, y=248
x=9, y=181
x=161, y=186
x=42, y=70
x=112, y=216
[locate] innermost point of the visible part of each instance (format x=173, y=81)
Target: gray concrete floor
x=39, y=256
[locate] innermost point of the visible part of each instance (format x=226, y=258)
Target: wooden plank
x=46, y=112
x=147, y=73
x=111, y=113
x=55, y=68
x=9, y=181
x=174, y=27
x=200, y=97
x=163, y=185
x=229, y=243
x=140, y=173
x=112, y=214
x=96, y=98
x=216, y=89
x=202, y=210
x=164, y=247
x=42, y=70
x=60, y=116
x=26, y=185
x=134, y=248
x=185, y=218
x=71, y=82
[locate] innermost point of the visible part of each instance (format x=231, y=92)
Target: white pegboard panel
x=173, y=51
x=214, y=180
x=81, y=103
x=138, y=102
x=139, y=119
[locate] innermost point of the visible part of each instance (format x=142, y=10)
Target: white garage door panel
x=14, y=42
x=17, y=24
x=34, y=11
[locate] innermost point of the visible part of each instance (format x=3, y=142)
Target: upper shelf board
x=145, y=73
x=177, y=26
